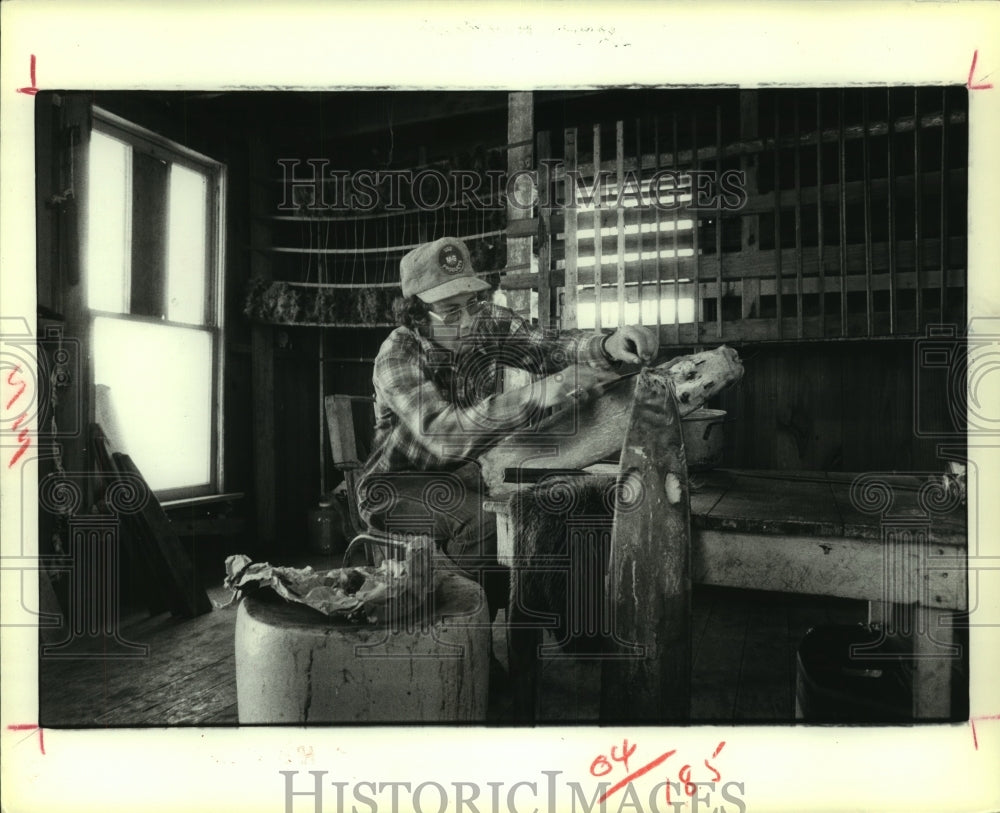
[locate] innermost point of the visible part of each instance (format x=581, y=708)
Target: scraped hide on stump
x=649, y=577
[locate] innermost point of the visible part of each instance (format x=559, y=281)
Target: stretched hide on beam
x=584, y=433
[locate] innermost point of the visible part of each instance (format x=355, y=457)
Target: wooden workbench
x=897, y=541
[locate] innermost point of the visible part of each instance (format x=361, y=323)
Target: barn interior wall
x=819, y=405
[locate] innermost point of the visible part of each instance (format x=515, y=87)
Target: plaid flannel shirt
x=435, y=412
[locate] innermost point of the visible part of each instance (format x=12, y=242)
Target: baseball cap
x=437, y=270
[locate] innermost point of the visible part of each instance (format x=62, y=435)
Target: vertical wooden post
x=820, y=259
x=842, y=182
x=71, y=272
x=798, y=223
x=546, y=194
x=620, y=175
x=655, y=195
x=51, y=144
x=944, y=232
x=675, y=198
x=779, y=283
x=262, y=353
x=640, y=287
x=749, y=224
x=321, y=364
x=520, y=159
x=598, y=239
x=918, y=191
x=718, y=223
x=891, y=206
x=571, y=249
x=867, y=201
x=422, y=236
x=649, y=578
x=695, y=229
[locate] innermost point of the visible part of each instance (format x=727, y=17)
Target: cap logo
x=450, y=260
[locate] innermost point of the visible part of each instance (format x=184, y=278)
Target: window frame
x=162, y=148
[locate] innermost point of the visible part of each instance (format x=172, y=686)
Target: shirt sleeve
x=439, y=428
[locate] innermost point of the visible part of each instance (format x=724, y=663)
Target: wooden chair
x=350, y=422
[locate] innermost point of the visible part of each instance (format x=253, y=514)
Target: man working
x=439, y=402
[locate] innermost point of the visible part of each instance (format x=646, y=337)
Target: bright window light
x=160, y=380
x=666, y=194
x=187, y=245
x=587, y=311
x=611, y=258
x=109, y=232
x=647, y=228
x=645, y=308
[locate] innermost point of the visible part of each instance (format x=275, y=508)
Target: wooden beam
x=520, y=130
x=696, y=226
x=598, y=223
x=718, y=220
x=545, y=193
x=846, y=567
x=807, y=564
x=761, y=265
x=757, y=203
x=73, y=225
x=620, y=221
x=262, y=360
x=570, y=240
x=675, y=263
x=813, y=327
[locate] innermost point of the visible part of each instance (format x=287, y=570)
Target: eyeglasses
x=453, y=315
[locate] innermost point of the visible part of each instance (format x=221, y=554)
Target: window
x=647, y=244
x=152, y=262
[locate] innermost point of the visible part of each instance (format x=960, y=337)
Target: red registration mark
x=22, y=437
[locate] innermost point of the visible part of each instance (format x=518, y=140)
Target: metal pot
x=702, y=432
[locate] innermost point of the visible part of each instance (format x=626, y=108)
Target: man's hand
x=633, y=343
x=576, y=382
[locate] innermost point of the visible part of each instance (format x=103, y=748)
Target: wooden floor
x=744, y=646
x=188, y=676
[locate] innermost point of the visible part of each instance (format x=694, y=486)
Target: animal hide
x=590, y=431
x=563, y=525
